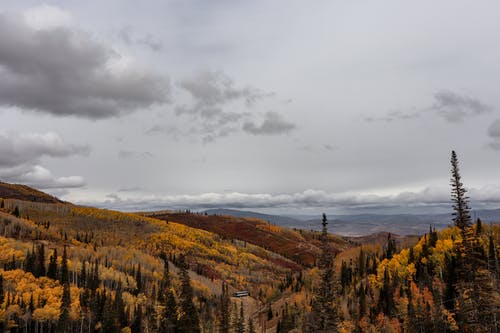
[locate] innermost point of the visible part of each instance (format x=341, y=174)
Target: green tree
x=52, y=269
x=224, y=311
x=64, y=323
x=324, y=316
x=461, y=209
x=166, y=298
x=188, y=315
x=240, y=324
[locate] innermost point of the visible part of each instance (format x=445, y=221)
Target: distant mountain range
x=363, y=224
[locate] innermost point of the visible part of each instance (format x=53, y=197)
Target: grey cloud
x=396, y=115
x=20, y=154
x=211, y=92
x=216, y=88
x=39, y=177
x=309, y=198
x=21, y=148
x=273, y=124
x=129, y=37
x=329, y=147
x=454, y=107
x=64, y=72
x=494, y=129
x=126, y=154
x=131, y=189
x=447, y=104
x=494, y=134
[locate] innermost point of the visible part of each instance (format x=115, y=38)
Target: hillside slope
x=298, y=245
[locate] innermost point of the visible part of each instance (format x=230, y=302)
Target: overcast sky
x=277, y=106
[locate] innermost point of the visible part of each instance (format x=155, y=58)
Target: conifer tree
x=2, y=297
x=240, y=324
x=461, y=214
x=2, y=294
x=40, y=261
x=492, y=257
x=251, y=327
x=64, y=323
x=188, y=315
x=225, y=308
x=390, y=247
x=168, y=322
x=137, y=323
x=52, y=269
x=324, y=317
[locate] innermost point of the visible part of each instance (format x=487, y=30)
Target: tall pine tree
x=461, y=209
x=188, y=315
x=166, y=298
x=224, y=311
x=64, y=323
x=324, y=316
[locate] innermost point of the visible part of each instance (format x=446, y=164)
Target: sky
x=274, y=106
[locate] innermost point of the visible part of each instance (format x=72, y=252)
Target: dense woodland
x=66, y=268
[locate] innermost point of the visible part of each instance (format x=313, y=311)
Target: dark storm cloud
x=21, y=148
x=273, y=124
x=64, y=72
x=449, y=105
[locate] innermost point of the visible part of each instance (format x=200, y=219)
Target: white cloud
x=20, y=155
x=39, y=177
x=20, y=148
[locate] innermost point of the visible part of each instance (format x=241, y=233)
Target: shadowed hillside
x=26, y=193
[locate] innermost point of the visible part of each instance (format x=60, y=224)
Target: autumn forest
x=70, y=268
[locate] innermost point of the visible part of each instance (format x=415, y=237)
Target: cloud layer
x=20, y=155
x=62, y=71
x=315, y=199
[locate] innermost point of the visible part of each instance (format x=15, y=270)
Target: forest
x=69, y=268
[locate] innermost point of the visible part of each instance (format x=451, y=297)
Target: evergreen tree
x=52, y=270
x=386, y=298
x=168, y=322
x=390, y=247
x=137, y=323
x=224, y=312
x=82, y=277
x=188, y=315
x=138, y=279
x=251, y=327
x=2, y=293
x=461, y=214
x=240, y=324
x=492, y=257
x=16, y=212
x=40, y=261
x=324, y=317
x=64, y=323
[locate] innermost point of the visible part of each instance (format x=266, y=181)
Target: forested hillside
x=68, y=268
x=109, y=260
